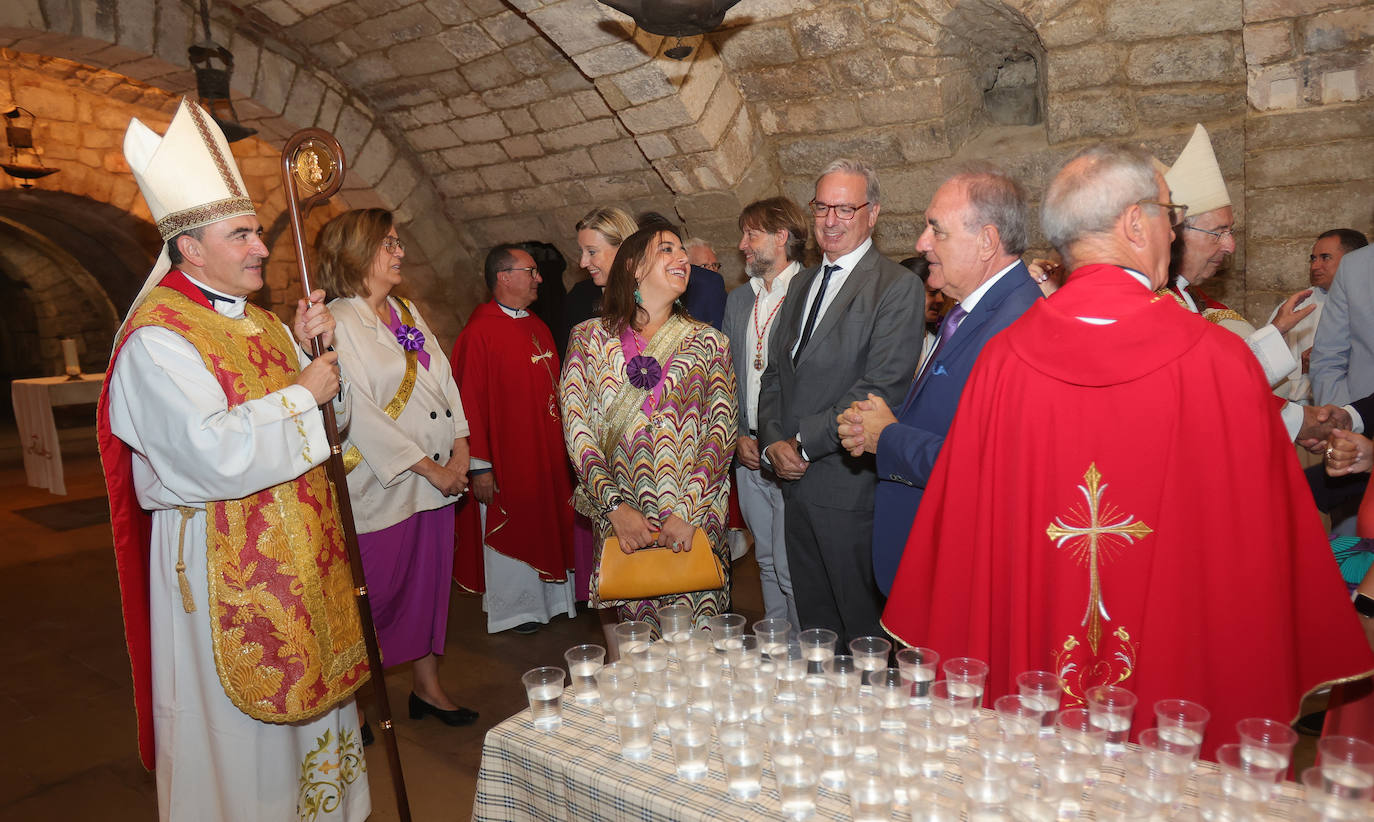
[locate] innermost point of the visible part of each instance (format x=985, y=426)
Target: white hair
x=1093, y=189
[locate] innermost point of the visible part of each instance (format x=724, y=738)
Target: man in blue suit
x=974, y=236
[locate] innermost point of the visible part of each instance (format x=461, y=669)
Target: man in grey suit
x=774, y=234
x=850, y=326
x=1343, y=351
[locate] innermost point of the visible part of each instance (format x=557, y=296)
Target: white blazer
x=383, y=488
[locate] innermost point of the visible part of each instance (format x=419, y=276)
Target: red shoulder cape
x=507, y=372
x=132, y=530
x=1144, y=455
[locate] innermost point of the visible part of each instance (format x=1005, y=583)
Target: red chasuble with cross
x=507, y=371
x=1119, y=503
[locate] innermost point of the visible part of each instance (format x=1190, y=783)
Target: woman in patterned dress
x=657, y=471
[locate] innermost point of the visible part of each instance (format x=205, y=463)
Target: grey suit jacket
x=868, y=341
x=739, y=305
x=1343, y=351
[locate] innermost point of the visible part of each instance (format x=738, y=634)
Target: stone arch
x=60, y=294
x=137, y=51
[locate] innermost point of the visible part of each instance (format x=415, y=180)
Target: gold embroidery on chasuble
x=542, y=355
x=284, y=627
x=326, y=772
x=1095, y=531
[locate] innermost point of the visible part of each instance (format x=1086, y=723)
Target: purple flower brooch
x=643, y=372
x=410, y=338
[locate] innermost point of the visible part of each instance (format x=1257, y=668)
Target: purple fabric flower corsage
x=410, y=338
x=643, y=372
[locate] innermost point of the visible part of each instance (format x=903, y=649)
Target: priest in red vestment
x=1095, y=513
x=514, y=537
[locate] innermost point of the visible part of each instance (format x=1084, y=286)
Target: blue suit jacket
x=907, y=450
x=704, y=298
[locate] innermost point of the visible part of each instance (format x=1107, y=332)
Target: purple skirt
x=409, y=569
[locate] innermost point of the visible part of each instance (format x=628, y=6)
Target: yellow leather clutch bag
x=655, y=572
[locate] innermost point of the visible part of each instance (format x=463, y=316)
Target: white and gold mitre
x=188, y=176
x=1195, y=179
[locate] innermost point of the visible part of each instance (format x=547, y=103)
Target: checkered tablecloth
x=577, y=774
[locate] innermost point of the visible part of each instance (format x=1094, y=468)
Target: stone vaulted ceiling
x=481, y=121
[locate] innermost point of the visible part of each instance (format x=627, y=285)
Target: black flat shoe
x=457, y=717
x=366, y=733
x=526, y=628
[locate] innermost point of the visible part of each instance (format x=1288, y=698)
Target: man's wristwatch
x=1365, y=606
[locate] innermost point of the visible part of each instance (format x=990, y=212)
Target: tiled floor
x=66, y=705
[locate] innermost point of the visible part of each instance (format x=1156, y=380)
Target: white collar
x=221, y=302
x=784, y=277
x=847, y=261
x=971, y=301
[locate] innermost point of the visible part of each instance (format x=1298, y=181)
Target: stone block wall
x=1309, y=136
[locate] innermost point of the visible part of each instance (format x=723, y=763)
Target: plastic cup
x=919, y=667
x=611, y=681
x=797, y=772
x=932, y=800
x=742, y=651
x=583, y=663
x=773, y=635
x=1152, y=739
x=1113, y=803
x=900, y=755
x=760, y=684
x=1075, y=725
x=703, y=675
x=1018, y=716
x=1267, y=740
x=1042, y=689
x=675, y=623
x=690, y=734
x=790, y=674
x=724, y=628
x=870, y=792
x=932, y=724
x=671, y=697
x=958, y=702
x=816, y=696
x=967, y=677
x=629, y=636
x=843, y=672
x=1334, y=787
x=1155, y=776
x=870, y=654
x=834, y=740
x=1181, y=720
x=544, y=687
x=785, y=722
x=818, y=647
x=1348, y=760
x=635, y=715
x=741, y=750
x=1110, y=708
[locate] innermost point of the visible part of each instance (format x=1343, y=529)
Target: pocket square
x=939, y=371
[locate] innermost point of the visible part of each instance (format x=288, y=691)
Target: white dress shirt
x=767, y=304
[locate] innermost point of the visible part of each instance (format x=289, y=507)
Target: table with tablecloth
x=34, y=400
x=576, y=773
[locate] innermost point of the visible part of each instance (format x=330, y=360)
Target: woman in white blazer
x=406, y=449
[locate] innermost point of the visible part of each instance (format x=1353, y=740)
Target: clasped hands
x=862, y=423
x=634, y=531
x=1318, y=422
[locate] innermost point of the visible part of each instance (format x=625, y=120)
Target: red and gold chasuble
x=507, y=370
x=286, y=635
x=1119, y=504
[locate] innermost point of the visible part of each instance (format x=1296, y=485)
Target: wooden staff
x=313, y=161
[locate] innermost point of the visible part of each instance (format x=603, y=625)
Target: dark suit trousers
x=830, y=556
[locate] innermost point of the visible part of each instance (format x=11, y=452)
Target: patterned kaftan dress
x=674, y=455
